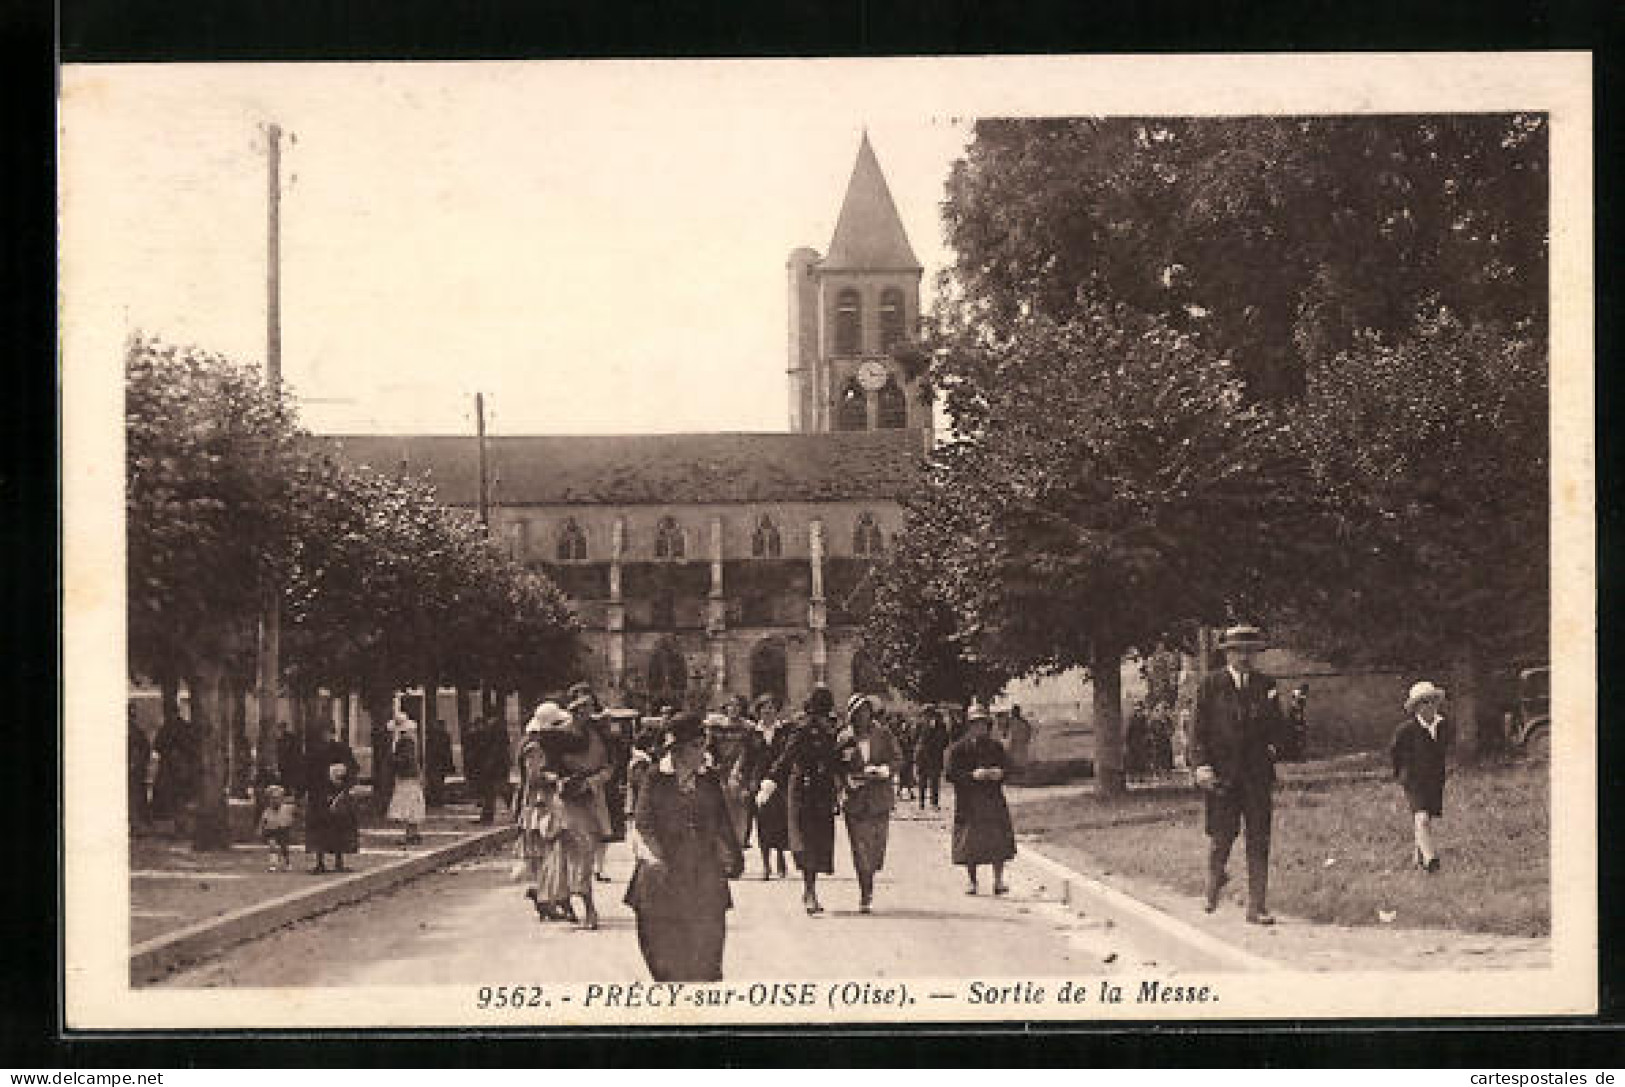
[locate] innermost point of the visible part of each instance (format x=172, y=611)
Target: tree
x=1104, y=482
x=209, y=504
x=1377, y=278
x=912, y=630
x=1433, y=454
x=1276, y=241
x=391, y=588
x=383, y=586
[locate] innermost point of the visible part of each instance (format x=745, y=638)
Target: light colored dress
x=406, y=801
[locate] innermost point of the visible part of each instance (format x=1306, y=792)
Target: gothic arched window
x=668, y=539
x=866, y=538
x=764, y=542
x=848, y=322
x=891, y=318
x=893, y=406
x=852, y=412
x=572, y=542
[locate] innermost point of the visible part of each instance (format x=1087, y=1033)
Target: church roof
x=869, y=235
x=651, y=469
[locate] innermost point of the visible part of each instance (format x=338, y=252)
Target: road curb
x=1147, y=926
x=163, y=954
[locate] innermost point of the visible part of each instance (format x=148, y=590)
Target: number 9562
x=510, y=996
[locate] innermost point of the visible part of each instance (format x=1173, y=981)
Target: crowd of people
x=695, y=791
x=692, y=792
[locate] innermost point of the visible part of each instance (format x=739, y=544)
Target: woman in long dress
x=772, y=818
x=406, y=801
x=539, y=810
x=807, y=773
x=983, y=834
x=686, y=853
x=869, y=756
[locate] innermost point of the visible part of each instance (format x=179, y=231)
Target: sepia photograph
x=734, y=542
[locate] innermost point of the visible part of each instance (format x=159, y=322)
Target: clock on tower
x=872, y=375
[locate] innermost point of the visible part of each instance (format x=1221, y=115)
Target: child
x=276, y=827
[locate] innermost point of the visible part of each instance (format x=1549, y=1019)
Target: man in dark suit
x=1238, y=733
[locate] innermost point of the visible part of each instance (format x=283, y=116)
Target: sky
x=599, y=248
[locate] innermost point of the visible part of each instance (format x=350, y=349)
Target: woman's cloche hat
x=548, y=715
x=1422, y=692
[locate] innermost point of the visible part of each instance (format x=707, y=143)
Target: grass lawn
x=1342, y=848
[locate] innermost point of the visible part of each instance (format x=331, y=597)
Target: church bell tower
x=849, y=312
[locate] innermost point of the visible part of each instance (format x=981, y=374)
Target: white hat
x=1420, y=692
x=977, y=712
x=547, y=715
x=857, y=700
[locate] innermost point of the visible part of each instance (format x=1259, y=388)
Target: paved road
x=470, y=925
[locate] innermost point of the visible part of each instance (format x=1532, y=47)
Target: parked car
x=1529, y=722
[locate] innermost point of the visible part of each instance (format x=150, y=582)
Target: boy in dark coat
x=1420, y=751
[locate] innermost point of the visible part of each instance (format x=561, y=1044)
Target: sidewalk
x=184, y=904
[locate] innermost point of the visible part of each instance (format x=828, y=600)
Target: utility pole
x=485, y=485
x=270, y=647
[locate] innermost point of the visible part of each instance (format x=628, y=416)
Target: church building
x=703, y=565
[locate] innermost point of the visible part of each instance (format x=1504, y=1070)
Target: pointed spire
x=869, y=234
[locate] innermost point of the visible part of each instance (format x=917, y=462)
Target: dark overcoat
x=772, y=818
x=1238, y=732
x=807, y=774
x=983, y=833
x=329, y=828
x=1419, y=764
x=691, y=833
x=928, y=750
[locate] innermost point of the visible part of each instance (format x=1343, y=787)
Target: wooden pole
x=485, y=485
x=270, y=647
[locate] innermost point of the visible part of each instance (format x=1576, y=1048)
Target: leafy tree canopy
x=1276, y=241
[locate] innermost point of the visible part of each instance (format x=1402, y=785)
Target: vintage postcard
x=667, y=543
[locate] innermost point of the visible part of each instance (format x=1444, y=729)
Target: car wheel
x=1537, y=746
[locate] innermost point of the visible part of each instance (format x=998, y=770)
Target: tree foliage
x=1104, y=482
x=380, y=585
x=1433, y=455
x=1276, y=241
x=1208, y=366
x=211, y=466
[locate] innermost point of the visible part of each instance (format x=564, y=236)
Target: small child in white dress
x=276, y=827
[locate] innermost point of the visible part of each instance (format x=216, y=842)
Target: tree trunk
x=211, y=716
x=1463, y=690
x=376, y=699
x=1106, y=681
